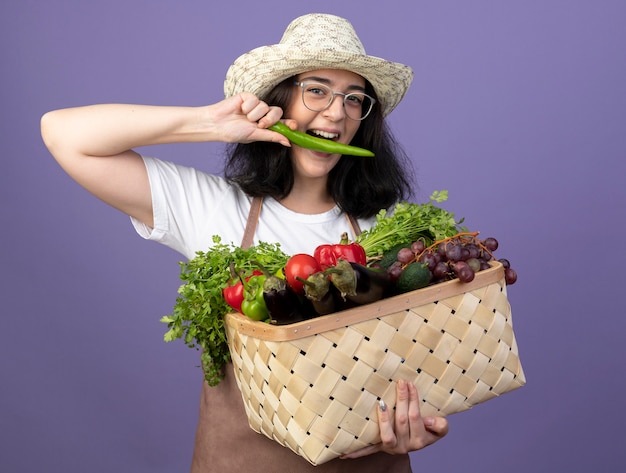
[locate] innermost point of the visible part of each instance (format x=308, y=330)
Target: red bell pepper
x=327, y=255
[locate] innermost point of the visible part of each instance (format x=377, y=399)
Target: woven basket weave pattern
x=317, y=393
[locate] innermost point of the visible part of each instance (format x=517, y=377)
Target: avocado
x=414, y=276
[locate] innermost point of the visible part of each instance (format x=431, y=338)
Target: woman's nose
x=336, y=110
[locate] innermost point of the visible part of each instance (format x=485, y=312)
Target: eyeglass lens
x=318, y=97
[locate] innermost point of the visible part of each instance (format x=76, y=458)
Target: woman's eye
x=354, y=99
x=317, y=91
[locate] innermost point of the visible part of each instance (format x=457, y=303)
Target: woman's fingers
x=399, y=428
x=258, y=111
x=406, y=430
x=408, y=421
x=437, y=426
x=246, y=119
x=385, y=424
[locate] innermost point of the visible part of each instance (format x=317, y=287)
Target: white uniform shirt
x=191, y=206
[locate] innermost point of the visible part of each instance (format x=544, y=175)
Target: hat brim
x=261, y=69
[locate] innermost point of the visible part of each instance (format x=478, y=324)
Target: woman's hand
x=244, y=118
x=405, y=430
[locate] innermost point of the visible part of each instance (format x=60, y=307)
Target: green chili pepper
x=318, y=144
x=253, y=304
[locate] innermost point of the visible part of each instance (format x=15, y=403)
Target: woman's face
x=331, y=123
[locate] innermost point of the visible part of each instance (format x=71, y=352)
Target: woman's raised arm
x=81, y=138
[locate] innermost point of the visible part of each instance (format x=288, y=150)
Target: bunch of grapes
x=460, y=256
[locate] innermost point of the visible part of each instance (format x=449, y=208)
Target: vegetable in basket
x=358, y=283
x=327, y=255
x=283, y=305
x=253, y=304
x=408, y=222
x=318, y=290
x=414, y=276
x=234, y=293
x=198, y=313
x=298, y=267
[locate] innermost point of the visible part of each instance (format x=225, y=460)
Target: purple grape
x=394, y=271
x=491, y=244
x=440, y=271
x=465, y=254
x=437, y=256
x=405, y=256
x=429, y=259
x=463, y=271
x=505, y=263
x=453, y=252
x=474, y=250
x=417, y=247
x=510, y=276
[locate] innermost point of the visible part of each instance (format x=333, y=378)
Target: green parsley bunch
x=409, y=222
x=198, y=314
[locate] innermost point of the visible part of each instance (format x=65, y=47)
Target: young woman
x=318, y=80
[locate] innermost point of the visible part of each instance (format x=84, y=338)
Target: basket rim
x=390, y=305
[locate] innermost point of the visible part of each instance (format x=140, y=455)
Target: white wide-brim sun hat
x=311, y=42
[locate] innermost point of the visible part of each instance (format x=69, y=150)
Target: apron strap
x=354, y=225
x=253, y=220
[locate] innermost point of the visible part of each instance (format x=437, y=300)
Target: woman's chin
x=315, y=164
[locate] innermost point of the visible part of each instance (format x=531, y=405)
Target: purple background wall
x=518, y=109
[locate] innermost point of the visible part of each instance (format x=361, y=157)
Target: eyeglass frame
x=332, y=99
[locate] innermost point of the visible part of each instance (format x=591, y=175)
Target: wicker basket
x=314, y=386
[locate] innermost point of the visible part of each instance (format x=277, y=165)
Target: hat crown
x=311, y=42
x=323, y=32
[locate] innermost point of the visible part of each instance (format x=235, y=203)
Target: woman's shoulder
x=191, y=184
x=172, y=172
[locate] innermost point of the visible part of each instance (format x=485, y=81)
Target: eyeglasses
x=318, y=97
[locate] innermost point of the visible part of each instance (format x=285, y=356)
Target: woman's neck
x=309, y=198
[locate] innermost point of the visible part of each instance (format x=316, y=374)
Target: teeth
x=324, y=134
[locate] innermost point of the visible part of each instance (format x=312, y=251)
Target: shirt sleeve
x=187, y=206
